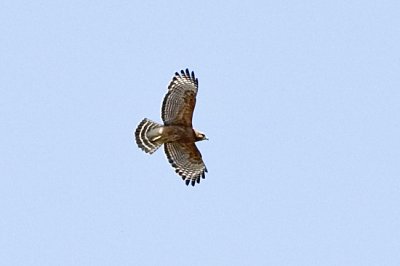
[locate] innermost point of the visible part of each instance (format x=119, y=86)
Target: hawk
x=177, y=133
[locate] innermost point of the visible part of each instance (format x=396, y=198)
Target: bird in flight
x=177, y=133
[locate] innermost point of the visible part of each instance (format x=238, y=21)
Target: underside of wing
x=187, y=161
x=180, y=100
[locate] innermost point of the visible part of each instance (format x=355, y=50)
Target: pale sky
x=300, y=101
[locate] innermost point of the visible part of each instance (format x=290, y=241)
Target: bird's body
x=177, y=133
x=167, y=134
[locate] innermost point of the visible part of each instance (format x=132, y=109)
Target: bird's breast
x=177, y=134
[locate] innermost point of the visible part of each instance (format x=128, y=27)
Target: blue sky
x=300, y=101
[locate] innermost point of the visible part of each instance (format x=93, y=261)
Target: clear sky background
x=300, y=101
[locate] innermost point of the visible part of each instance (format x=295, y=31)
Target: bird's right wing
x=180, y=100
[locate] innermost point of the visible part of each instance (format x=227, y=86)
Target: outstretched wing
x=180, y=100
x=187, y=161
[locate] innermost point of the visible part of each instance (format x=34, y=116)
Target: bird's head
x=199, y=135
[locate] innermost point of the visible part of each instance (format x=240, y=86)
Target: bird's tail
x=148, y=144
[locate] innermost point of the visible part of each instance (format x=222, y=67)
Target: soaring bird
x=177, y=133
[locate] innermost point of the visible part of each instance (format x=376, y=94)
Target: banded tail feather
x=147, y=143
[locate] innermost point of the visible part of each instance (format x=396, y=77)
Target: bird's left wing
x=187, y=161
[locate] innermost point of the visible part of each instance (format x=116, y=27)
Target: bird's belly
x=177, y=134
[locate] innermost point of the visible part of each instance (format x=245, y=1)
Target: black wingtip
x=187, y=73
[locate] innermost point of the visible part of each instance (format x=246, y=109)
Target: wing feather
x=180, y=100
x=187, y=161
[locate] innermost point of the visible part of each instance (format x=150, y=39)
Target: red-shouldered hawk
x=177, y=133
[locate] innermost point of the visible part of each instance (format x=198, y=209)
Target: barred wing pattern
x=180, y=100
x=187, y=161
